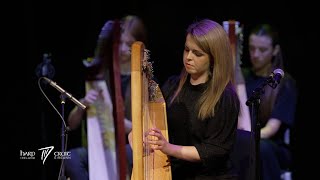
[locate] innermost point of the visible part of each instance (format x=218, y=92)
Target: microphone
x=275, y=77
x=273, y=80
x=45, y=68
x=54, y=84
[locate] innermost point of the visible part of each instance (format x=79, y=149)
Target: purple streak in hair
x=200, y=28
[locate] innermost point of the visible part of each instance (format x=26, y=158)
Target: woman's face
x=196, y=62
x=126, y=41
x=261, y=51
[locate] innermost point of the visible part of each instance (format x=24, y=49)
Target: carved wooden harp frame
x=148, y=110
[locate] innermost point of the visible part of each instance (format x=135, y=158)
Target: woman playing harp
x=202, y=108
x=101, y=87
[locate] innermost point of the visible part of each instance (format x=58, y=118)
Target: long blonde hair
x=213, y=40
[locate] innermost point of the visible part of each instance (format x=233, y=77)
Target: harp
x=105, y=118
x=234, y=30
x=101, y=134
x=148, y=110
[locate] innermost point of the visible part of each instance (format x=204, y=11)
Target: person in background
x=132, y=29
x=277, y=106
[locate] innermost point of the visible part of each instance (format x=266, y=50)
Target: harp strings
x=148, y=115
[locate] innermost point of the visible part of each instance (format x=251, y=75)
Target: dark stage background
x=69, y=30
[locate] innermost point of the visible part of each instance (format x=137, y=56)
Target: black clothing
x=213, y=137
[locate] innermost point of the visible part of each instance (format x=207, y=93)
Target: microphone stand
x=63, y=135
x=254, y=103
x=254, y=112
x=64, y=127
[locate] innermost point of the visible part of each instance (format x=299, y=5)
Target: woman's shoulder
x=170, y=84
x=230, y=94
x=288, y=83
x=230, y=90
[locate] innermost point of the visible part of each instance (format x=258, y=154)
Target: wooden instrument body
x=148, y=110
